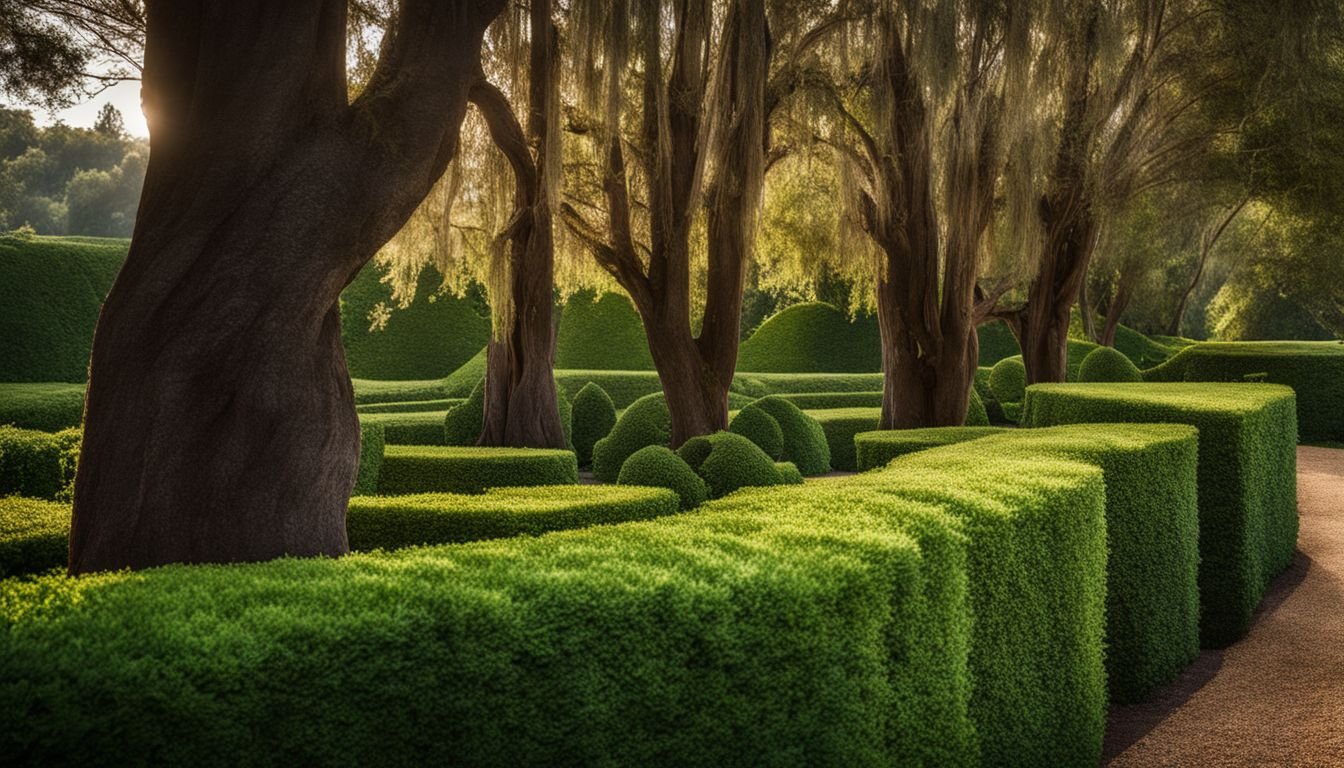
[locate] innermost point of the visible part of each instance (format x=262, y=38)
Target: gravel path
x=1276, y=698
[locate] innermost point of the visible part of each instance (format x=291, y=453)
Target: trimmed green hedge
x=804, y=440
x=997, y=342
x=1247, y=478
x=368, y=391
x=1105, y=364
x=811, y=401
x=1008, y=380
x=760, y=428
x=461, y=381
x=412, y=406
x=762, y=384
x=372, y=443
x=48, y=407
x=661, y=467
x=788, y=473
x=876, y=449
x=728, y=461
x=393, y=522
x=813, y=337
x=454, y=469
x=601, y=332
x=976, y=413
x=840, y=426
x=38, y=464
x=423, y=428
x=34, y=536
x=462, y=424
x=646, y=422
x=594, y=416
x=1315, y=371
x=1152, y=532
x=993, y=411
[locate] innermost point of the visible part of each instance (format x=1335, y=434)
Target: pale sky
x=125, y=96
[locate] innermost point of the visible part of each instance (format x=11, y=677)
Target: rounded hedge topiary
x=660, y=467
x=804, y=440
x=976, y=414
x=760, y=428
x=1008, y=380
x=594, y=416
x=462, y=425
x=645, y=422
x=1108, y=364
x=728, y=461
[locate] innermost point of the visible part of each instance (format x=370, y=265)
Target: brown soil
x=1276, y=698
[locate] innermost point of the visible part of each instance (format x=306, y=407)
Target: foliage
x=410, y=406
x=813, y=400
x=601, y=332
x=813, y=338
x=1008, y=380
x=34, y=536
x=646, y=422
x=372, y=440
x=976, y=413
x=1108, y=364
x=31, y=464
x=48, y=407
x=840, y=426
x=412, y=427
x=728, y=461
x=369, y=391
x=462, y=424
x=760, y=428
x=804, y=440
x=878, y=448
x=456, y=469
x=996, y=343
x=594, y=417
x=660, y=467
x=1247, y=478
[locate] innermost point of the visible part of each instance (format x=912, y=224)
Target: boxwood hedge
x=594, y=417
x=1247, y=478
x=840, y=426
x=660, y=467
x=728, y=461
x=372, y=442
x=414, y=428
x=813, y=337
x=411, y=406
x=810, y=401
x=456, y=469
x=601, y=332
x=804, y=440
x=646, y=422
x=48, y=407
x=760, y=428
x=1108, y=364
x=34, y=535
x=877, y=448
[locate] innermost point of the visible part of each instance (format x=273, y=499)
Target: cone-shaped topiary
x=760, y=428
x=976, y=415
x=660, y=467
x=728, y=461
x=594, y=416
x=1108, y=364
x=1008, y=380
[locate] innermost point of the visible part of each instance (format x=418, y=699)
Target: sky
x=125, y=96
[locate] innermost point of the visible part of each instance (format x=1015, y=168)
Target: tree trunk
x=697, y=398
x=1123, y=294
x=1085, y=312
x=219, y=420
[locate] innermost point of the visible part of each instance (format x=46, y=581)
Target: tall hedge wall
x=1247, y=478
x=601, y=333
x=814, y=337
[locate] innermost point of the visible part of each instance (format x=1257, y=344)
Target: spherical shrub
x=462, y=425
x=646, y=422
x=1108, y=364
x=804, y=440
x=1008, y=380
x=594, y=416
x=731, y=462
x=788, y=473
x=660, y=467
x=976, y=415
x=760, y=428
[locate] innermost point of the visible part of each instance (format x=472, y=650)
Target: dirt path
x=1275, y=698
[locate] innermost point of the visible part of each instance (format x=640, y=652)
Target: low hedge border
x=372, y=443
x=38, y=464
x=46, y=407
x=1247, y=478
x=812, y=401
x=877, y=448
x=411, y=406
x=840, y=426
x=399, y=428
x=454, y=469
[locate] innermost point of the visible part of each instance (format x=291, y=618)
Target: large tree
x=220, y=422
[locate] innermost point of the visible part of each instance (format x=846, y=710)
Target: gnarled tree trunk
x=219, y=421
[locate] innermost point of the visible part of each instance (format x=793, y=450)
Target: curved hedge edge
x=454, y=469
x=878, y=448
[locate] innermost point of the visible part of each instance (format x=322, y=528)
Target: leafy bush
x=993, y=411
x=32, y=464
x=788, y=473
x=646, y=422
x=48, y=407
x=1107, y=364
x=877, y=448
x=422, y=428
x=34, y=535
x=441, y=405
x=601, y=332
x=804, y=440
x=840, y=425
x=371, y=445
x=1008, y=380
x=594, y=417
x=370, y=392
x=460, y=382
x=813, y=338
x=393, y=522
x=453, y=469
x=976, y=413
x=810, y=401
x=760, y=428
x=660, y=467
x=762, y=384
x=1315, y=371
x=462, y=425
x=728, y=461
x=997, y=342
x=1247, y=478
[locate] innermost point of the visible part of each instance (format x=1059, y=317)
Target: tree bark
x=1085, y=311
x=1124, y=292
x=219, y=419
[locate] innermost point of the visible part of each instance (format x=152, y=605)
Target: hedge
x=34, y=535
x=38, y=464
x=430, y=337
x=788, y=473
x=1315, y=371
x=646, y=422
x=1247, y=478
x=1108, y=365
x=1152, y=531
x=804, y=440
x=993, y=411
x=601, y=332
x=424, y=428
x=368, y=391
x=393, y=522
x=594, y=416
x=462, y=424
x=728, y=461
x=840, y=426
x=411, y=406
x=976, y=413
x=813, y=337
x=461, y=381
x=660, y=467
x=762, y=384
x=1008, y=380
x=810, y=401
x=48, y=407
x=454, y=469
x=997, y=342
x=372, y=443
x=760, y=428
x=877, y=448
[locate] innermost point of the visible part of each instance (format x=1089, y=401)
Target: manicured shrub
x=660, y=467
x=728, y=461
x=422, y=428
x=1315, y=371
x=804, y=440
x=34, y=536
x=371, y=444
x=997, y=342
x=877, y=448
x=762, y=384
x=1108, y=364
x=462, y=425
x=993, y=411
x=441, y=405
x=393, y=522
x=1152, y=531
x=976, y=415
x=48, y=407
x=460, y=382
x=645, y=422
x=788, y=473
x=454, y=469
x=760, y=428
x=370, y=392
x=601, y=332
x=840, y=425
x=810, y=401
x=30, y=463
x=813, y=338
x=1146, y=351
x=594, y=416
x=1247, y=478
x=1008, y=380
